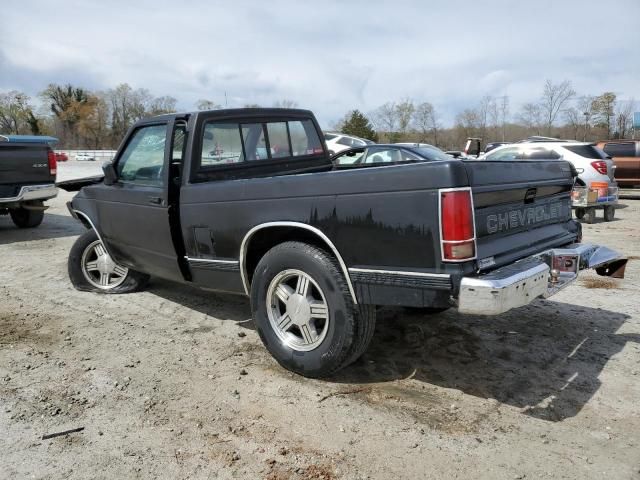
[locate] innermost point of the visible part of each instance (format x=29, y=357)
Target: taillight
x=457, y=226
x=600, y=166
x=51, y=157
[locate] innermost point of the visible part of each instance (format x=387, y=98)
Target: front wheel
x=304, y=312
x=92, y=269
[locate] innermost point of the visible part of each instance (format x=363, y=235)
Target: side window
x=304, y=138
x=278, y=139
x=388, y=155
x=627, y=149
x=504, y=154
x=255, y=145
x=345, y=141
x=351, y=157
x=179, y=143
x=221, y=144
x=142, y=160
x=537, y=154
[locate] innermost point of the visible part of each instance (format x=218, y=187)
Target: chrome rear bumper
x=32, y=192
x=541, y=275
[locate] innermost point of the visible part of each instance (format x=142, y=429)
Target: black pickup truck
x=248, y=201
x=27, y=177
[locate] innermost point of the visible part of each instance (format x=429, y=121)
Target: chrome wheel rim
x=99, y=269
x=297, y=310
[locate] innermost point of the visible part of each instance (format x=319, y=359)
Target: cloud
x=327, y=56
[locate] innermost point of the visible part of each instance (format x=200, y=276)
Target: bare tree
x=162, y=105
x=404, y=113
x=573, y=118
x=531, y=117
x=504, y=114
x=385, y=118
x=15, y=112
x=624, y=117
x=469, y=122
x=285, y=103
x=604, y=110
x=204, y=104
x=585, y=107
x=554, y=97
x=425, y=120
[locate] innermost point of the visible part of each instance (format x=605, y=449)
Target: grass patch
x=600, y=282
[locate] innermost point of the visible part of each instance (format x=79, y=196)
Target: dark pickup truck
x=248, y=201
x=27, y=177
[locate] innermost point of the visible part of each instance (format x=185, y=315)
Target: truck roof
x=28, y=139
x=255, y=111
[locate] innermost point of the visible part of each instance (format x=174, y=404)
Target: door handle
x=155, y=200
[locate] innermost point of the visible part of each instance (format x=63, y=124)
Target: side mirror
x=472, y=147
x=110, y=175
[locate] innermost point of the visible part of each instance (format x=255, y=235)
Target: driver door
x=133, y=213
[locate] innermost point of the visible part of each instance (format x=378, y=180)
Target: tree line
x=558, y=112
x=81, y=118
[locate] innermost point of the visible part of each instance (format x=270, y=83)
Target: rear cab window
x=278, y=145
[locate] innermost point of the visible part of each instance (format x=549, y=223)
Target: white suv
x=337, y=142
x=592, y=164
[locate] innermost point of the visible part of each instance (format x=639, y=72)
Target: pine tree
x=358, y=125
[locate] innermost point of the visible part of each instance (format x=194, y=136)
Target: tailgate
x=521, y=208
x=22, y=164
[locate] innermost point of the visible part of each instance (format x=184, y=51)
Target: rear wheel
x=26, y=218
x=304, y=312
x=609, y=213
x=589, y=215
x=579, y=213
x=92, y=269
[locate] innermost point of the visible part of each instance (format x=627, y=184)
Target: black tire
x=589, y=215
x=609, y=213
x=24, y=218
x=579, y=213
x=350, y=327
x=132, y=282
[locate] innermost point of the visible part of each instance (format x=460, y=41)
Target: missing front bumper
x=541, y=275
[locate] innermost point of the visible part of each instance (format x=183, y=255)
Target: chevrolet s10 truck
x=248, y=201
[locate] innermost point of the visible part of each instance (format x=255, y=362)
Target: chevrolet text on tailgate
x=248, y=201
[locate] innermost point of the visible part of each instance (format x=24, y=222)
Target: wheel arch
x=265, y=236
x=85, y=219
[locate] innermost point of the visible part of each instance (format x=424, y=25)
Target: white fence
x=99, y=155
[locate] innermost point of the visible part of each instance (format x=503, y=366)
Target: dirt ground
x=174, y=383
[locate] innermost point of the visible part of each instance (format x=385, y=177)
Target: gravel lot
x=173, y=382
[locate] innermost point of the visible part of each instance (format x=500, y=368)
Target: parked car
x=394, y=153
x=27, y=177
x=337, y=142
x=86, y=157
x=61, y=157
x=626, y=156
x=317, y=246
x=594, y=167
x=493, y=145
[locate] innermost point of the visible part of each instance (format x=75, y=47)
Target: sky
x=327, y=56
